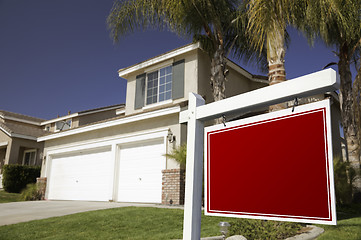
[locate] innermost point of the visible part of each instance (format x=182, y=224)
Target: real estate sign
x=275, y=166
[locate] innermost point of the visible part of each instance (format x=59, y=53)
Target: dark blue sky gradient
x=57, y=56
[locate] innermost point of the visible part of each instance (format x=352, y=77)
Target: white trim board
x=320, y=193
x=22, y=120
x=125, y=71
x=94, y=143
x=308, y=85
x=153, y=114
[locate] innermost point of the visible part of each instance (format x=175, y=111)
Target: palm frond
x=179, y=154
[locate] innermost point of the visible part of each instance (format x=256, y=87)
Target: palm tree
x=338, y=23
x=267, y=24
x=179, y=154
x=218, y=25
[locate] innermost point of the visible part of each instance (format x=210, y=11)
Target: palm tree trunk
x=348, y=122
x=276, y=62
x=218, y=76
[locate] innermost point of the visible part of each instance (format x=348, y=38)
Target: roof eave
x=179, y=51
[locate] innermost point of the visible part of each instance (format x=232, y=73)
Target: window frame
x=158, y=71
x=66, y=121
x=31, y=161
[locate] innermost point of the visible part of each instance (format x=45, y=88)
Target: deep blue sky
x=57, y=56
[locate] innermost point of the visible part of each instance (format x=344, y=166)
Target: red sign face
x=276, y=166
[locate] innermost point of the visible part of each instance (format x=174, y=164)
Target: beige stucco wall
x=117, y=132
x=94, y=117
x=4, y=137
x=204, y=74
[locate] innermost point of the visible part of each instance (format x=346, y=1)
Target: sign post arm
x=194, y=171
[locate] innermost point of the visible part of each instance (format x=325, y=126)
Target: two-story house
x=122, y=159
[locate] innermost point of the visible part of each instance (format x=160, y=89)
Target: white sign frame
x=308, y=85
x=320, y=106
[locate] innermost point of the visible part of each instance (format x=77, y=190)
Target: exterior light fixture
x=170, y=137
x=224, y=228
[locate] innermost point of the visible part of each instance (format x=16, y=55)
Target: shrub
x=16, y=177
x=260, y=229
x=179, y=154
x=344, y=176
x=31, y=193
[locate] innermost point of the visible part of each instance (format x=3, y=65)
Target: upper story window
x=159, y=85
x=63, y=125
x=164, y=84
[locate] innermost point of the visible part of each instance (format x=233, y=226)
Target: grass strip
x=6, y=197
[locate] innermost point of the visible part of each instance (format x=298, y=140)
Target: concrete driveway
x=16, y=212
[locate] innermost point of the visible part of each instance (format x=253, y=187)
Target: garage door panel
x=140, y=172
x=81, y=176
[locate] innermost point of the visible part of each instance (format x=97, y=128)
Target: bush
x=179, y=154
x=344, y=176
x=16, y=177
x=260, y=229
x=31, y=193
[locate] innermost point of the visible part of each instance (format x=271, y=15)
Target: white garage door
x=140, y=172
x=82, y=176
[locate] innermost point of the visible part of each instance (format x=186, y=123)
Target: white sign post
x=197, y=113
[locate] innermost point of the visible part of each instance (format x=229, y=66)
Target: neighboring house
x=122, y=159
x=18, y=139
x=19, y=133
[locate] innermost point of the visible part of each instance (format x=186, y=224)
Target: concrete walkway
x=16, y=212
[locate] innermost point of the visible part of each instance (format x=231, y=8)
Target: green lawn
x=348, y=226
x=9, y=197
x=119, y=223
x=349, y=229
x=145, y=223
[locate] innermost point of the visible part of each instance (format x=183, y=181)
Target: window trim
x=66, y=120
x=153, y=105
x=47, y=128
x=159, y=67
x=32, y=162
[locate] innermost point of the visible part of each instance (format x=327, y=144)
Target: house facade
x=122, y=159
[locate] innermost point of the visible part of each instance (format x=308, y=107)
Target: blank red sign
x=276, y=166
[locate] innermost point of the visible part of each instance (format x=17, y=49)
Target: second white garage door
x=140, y=172
x=82, y=176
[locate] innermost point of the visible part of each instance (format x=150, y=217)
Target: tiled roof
x=20, y=116
x=22, y=129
